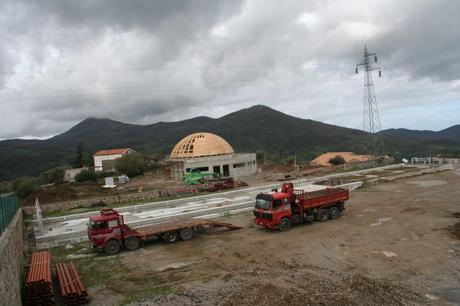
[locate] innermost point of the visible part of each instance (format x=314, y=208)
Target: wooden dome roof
x=200, y=145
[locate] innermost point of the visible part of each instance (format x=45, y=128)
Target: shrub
x=86, y=175
x=24, y=186
x=5, y=187
x=55, y=175
x=337, y=160
x=103, y=174
x=260, y=156
x=133, y=164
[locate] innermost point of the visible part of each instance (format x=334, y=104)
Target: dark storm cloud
x=92, y=58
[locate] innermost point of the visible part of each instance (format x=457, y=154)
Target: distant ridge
x=255, y=128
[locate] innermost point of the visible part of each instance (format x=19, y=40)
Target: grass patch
x=61, y=252
x=148, y=294
x=102, y=272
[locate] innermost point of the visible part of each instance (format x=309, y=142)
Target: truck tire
x=334, y=212
x=285, y=225
x=170, y=237
x=112, y=247
x=132, y=243
x=186, y=233
x=322, y=215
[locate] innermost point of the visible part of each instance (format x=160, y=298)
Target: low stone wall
x=11, y=262
x=95, y=202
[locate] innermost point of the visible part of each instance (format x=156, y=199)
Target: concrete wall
x=238, y=165
x=435, y=160
x=99, y=158
x=69, y=174
x=11, y=262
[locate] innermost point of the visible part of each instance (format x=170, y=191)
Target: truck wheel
x=170, y=237
x=334, y=212
x=186, y=233
x=322, y=215
x=132, y=243
x=112, y=247
x=285, y=225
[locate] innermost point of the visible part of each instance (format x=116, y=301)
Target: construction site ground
x=398, y=243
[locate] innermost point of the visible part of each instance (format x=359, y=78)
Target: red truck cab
x=281, y=209
x=107, y=226
x=271, y=207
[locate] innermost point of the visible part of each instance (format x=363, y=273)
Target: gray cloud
x=146, y=61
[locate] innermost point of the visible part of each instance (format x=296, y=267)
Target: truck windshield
x=98, y=225
x=263, y=201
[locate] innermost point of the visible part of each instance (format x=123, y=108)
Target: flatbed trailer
x=107, y=231
x=290, y=206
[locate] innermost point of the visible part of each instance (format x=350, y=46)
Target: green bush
x=337, y=160
x=260, y=156
x=5, y=187
x=103, y=174
x=86, y=175
x=55, y=175
x=24, y=186
x=133, y=164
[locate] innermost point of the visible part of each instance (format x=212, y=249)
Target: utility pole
x=371, y=117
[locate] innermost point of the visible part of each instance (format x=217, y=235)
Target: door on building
x=226, y=170
x=216, y=169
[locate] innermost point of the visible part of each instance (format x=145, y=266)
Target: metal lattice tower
x=371, y=117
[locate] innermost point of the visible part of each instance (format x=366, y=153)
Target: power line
x=157, y=90
x=153, y=69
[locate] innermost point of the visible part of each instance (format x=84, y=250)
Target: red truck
x=290, y=206
x=108, y=231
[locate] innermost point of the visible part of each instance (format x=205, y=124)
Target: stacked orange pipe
x=39, y=286
x=73, y=291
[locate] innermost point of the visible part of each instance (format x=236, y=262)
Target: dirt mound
x=49, y=194
x=294, y=284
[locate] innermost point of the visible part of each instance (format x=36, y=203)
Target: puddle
x=389, y=254
x=380, y=221
x=428, y=183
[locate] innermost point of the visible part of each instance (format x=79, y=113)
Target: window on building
x=239, y=165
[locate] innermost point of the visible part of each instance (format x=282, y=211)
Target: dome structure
x=200, y=145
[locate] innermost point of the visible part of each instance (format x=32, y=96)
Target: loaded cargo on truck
x=280, y=210
x=108, y=231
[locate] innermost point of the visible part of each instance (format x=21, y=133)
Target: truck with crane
x=108, y=231
x=280, y=210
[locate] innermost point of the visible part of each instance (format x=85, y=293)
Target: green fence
x=9, y=205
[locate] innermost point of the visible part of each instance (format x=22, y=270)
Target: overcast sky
x=148, y=61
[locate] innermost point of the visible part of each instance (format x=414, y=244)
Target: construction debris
x=39, y=287
x=73, y=291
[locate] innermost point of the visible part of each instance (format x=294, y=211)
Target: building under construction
x=208, y=152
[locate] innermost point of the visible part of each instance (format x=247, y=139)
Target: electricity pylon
x=371, y=117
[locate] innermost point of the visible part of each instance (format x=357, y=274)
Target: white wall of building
x=234, y=165
x=99, y=158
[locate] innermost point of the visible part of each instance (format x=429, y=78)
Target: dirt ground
x=395, y=245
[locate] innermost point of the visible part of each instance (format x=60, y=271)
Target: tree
x=23, y=186
x=86, y=175
x=260, y=156
x=79, y=158
x=55, y=175
x=337, y=160
x=133, y=164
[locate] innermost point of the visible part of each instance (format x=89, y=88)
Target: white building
x=208, y=153
x=435, y=160
x=104, y=160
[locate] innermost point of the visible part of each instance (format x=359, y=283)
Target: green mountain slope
x=247, y=130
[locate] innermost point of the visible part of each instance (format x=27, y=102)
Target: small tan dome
x=201, y=144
